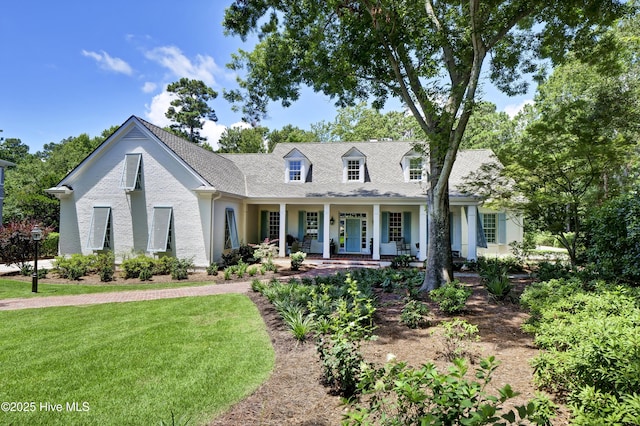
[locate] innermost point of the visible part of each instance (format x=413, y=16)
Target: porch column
x=472, y=247
x=422, y=238
x=375, y=250
x=282, y=235
x=326, y=232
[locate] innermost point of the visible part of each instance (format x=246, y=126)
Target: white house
x=147, y=190
x=3, y=164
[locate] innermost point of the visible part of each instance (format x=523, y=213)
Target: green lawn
x=132, y=363
x=12, y=289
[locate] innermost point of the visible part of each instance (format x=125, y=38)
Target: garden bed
x=294, y=395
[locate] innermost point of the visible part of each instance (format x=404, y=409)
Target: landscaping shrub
x=231, y=258
x=299, y=324
x=163, y=265
x=494, y=275
x=613, y=247
x=74, y=267
x=551, y=271
x=212, y=269
x=400, y=395
x=105, y=266
x=415, y=314
x=49, y=245
x=297, y=259
x=401, y=261
x=180, y=269
x=457, y=336
x=16, y=245
x=132, y=266
x=145, y=274
x=590, y=340
x=451, y=297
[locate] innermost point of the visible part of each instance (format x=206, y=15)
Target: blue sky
x=73, y=67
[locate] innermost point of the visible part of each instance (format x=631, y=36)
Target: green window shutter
x=320, y=227
x=385, y=228
x=502, y=228
x=264, y=225
x=406, y=227
x=302, y=221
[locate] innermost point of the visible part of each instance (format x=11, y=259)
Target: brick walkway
x=122, y=296
x=141, y=295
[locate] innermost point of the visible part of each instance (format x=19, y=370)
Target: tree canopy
x=191, y=108
x=429, y=54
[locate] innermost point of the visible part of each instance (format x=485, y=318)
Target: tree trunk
x=439, y=268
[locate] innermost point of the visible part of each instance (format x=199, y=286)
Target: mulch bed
x=293, y=395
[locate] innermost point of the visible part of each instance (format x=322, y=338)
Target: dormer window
x=132, y=172
x=413, y=167
x=353, y=163
x=296, y=167
x=295, y=170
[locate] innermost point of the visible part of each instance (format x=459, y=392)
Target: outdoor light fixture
x=332, y=220
x=36, y=236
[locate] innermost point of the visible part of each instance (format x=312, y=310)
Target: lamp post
x=36, y=235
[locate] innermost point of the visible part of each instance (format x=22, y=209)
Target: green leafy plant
x=458, y=334
x=163, y=265
x=132, y=266
x=401, y=261
x=180, y=269
x=212, y=269
x=296, y=260
x=400, y=395
x=415, y=314
x=74, y=267
x=105, y=266
x=451, y=297
x=494, y=275
x=145, y=274
x=299, y=324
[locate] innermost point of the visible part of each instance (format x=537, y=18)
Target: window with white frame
x=274, y=225
x=490, y=226
x=415, y=168
x=312, y=224
x=132, y=172
x=353, y=170
x=395, y=226
x=295, y=170
x=230, y=230
x=160, y=235
x=100, y=229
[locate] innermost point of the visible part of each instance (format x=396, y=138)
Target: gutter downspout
x=214, y=198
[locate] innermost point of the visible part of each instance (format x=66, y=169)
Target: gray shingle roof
x=218, y=171
x=265, y=173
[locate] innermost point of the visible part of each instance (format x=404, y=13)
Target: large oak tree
x=428, y=53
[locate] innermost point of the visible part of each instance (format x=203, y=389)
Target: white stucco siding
x=165, y=182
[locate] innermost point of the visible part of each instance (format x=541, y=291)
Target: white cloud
x=149, y=87
x=513, y=109
x=241, y=125
x=203, y=67
x=160, y=103
x=109, y=63
x=212, y=131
